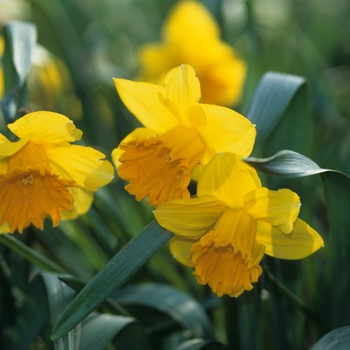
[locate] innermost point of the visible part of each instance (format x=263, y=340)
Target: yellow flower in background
x=43, y=174
x=50, y=85
x=225, y=231
x=179, y=138
x=191, y=36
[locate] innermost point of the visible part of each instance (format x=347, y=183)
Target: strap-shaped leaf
x=113, y=275
x=179, y=306
x=59, y=296
x=272, y=100
x=287, y=164
x=20, y=40
x=98, y=330
x=30, y=254
x=200, y=344
x=29, y=319
x=337, y=339
x=337, y=193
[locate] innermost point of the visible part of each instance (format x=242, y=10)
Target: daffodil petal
x=181, y=91
x=180, y=248
x=190, y=217
x=137, y=133
x=190, y=19
x=5, y=228
x=300, y=243
x=46, y=128
x=82, y=203
x=279, y=208
x=83, y=164
x=228, y=179
x=226, y=131
x=145, y=102
x=8, y=148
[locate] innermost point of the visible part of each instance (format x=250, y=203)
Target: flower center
x=28, y=195
x=160, y=167
x=227, y=258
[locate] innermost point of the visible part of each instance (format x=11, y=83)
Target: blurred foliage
x=81, y=46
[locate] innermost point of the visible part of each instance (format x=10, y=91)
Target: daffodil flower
x=43, y=174
x=225, y=231
x=179, y=138
x=191, y=36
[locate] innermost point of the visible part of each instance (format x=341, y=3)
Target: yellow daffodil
x=225, y=231
x=180, y=135
x=43, y=174
x=191, y=36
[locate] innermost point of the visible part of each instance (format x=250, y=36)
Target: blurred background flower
x=191, y=36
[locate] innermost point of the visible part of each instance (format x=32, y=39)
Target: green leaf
x=98, y=330
x=59, y=296
x=280, y=96
x=179, y=306
x=113, y=275
x=200, y=344
x=287, y=164
x=28, y=253
x=338, y=339
x=20, y=40
x=337, y=193
x=30, y=318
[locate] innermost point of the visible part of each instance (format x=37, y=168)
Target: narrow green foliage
x=337, y=339
x=112, y=276
x=275, y=95
x=180, y=307
x=30, y=254
x=19, y=45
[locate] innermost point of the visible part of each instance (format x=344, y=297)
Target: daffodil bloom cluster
x=43, y=174
x=180, y=135
x=191, y=36
x=225, y=231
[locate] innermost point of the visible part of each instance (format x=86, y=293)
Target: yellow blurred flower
x=225, y=231
x=43, y=174
x=50, y=85
x=180, y=135
x=191, y=36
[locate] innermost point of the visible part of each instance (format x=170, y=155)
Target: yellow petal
x=226, y=131
x=144, y=101
x=180, y=248
x=8, y=148
x=5, y=228
x=137, y=133
x=181, y=91
x=46, y=128
x=82, y=203
x=190, y=20
x=228, y=179
x=84, y=165
x=222, y=82
x=191, y=217
x=298, y=244
x=279, y=208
